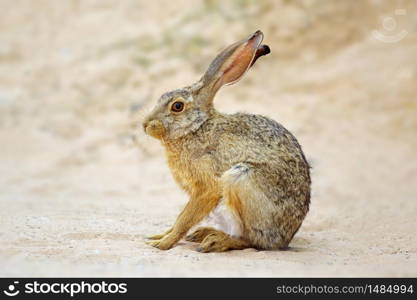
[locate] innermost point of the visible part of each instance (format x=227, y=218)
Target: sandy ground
x=81, y=186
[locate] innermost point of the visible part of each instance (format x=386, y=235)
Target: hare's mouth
x=154, y=128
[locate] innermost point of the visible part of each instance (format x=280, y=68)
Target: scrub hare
x=249, y=164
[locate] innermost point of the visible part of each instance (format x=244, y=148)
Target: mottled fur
x=250, y=161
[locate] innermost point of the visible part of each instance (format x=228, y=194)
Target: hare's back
x=263, y=138
x=270, y=157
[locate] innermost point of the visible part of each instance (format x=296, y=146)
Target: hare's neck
x=174, y=146
x=191, y=141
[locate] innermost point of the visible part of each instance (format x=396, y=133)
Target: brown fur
x=250, y=161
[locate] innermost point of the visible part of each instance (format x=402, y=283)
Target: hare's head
x=182, y=111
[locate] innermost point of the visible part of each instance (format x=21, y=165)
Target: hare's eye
x=177, y=106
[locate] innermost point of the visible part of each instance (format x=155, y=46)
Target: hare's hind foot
x=218, y=241
x=199, y=234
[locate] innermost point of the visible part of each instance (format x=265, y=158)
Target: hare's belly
x=223, y=219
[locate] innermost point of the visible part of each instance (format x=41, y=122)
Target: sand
x=81, y=186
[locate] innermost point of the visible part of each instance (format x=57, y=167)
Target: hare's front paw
x=156, y=236
x=167, y=242
x=159, y=236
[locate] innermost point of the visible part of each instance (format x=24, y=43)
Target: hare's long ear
x=230, y=65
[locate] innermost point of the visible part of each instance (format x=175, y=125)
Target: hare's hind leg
x=244, y=194
x=225, y=233
x=199, y=234
x=218, y=241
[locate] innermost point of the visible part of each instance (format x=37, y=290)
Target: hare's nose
x=154, y=128
x=145, y=124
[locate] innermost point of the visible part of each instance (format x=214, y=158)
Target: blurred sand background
x=81, y=185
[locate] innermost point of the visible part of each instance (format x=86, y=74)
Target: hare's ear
x=230, y=65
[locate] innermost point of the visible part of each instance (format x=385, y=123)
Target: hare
x=248, y=164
